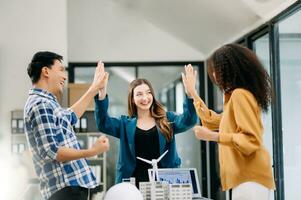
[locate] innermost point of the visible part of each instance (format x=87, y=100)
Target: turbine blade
x=144, y=160
x=158, y=160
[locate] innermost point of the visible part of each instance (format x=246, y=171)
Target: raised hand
x=100, y=77
x=101, y=145
x=189, y=80
x=99, y=83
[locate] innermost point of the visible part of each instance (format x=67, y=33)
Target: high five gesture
x=189, y=81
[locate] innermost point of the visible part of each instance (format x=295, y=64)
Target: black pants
x=72, y=193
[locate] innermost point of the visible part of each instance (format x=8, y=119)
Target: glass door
x=290, y=71
x=261, y=47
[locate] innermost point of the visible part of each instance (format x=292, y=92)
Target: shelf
x=95, y=159
x=18, y=138
x=88, y=133
x=18, y=135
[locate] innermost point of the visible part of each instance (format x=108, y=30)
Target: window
x=261, y=47
x=290, y=69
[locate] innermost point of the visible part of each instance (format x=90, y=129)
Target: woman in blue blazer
x=147, y=132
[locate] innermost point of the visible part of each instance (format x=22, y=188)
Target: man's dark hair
x=41, y=59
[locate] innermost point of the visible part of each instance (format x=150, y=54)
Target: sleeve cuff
x=53, y=153
x=198, y=103
x=74, y=117
x=189, y=99
x=98, y=101
x=225, y=138
x=199, y=108
x=50, y=152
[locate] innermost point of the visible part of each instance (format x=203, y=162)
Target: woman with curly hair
x=245, y=165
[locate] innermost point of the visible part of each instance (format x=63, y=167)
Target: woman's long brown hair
x=157, y=111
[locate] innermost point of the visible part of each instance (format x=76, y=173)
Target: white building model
x=180, y=191
x=154, y=190
x=165, y=191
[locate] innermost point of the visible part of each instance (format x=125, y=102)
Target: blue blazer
x=124, y=128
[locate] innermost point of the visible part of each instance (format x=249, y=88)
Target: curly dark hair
x=235, y=66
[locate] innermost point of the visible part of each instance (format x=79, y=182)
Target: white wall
x=108, y=30
x=26, y=27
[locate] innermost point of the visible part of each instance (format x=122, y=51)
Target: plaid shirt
x=48, y=126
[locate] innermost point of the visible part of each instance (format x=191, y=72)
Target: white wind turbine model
x=154, y=163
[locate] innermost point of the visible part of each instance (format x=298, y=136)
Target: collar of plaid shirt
x=42, y=93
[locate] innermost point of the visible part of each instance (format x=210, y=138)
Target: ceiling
x=206, y=24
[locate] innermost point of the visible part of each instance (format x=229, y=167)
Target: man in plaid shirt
x=59, y=161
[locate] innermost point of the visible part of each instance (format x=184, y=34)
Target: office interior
x=154, y=40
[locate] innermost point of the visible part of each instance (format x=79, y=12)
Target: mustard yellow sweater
x=242, y=155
